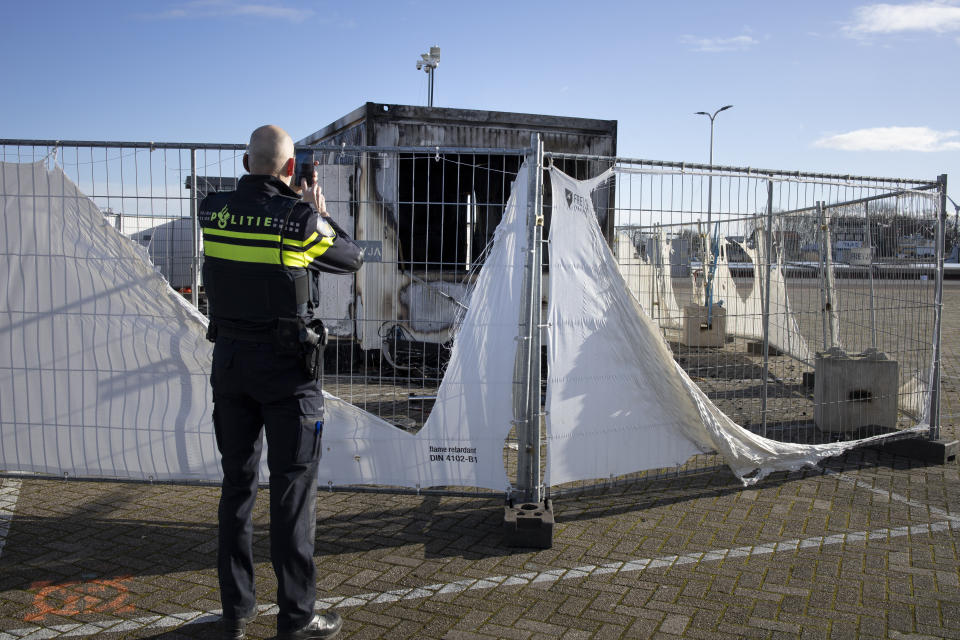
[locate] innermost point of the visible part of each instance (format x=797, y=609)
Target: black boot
x=325, y=625
x=235, y=628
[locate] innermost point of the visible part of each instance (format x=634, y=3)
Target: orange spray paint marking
x=100, y=595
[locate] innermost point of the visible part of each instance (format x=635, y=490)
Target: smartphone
x=304, y=167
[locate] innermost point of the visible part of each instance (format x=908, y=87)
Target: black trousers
x=255, y=387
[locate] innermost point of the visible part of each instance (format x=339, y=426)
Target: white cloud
x=937, y=16
x=893, y=139
x=712, y=45
x=226, y=8
x=268, y=11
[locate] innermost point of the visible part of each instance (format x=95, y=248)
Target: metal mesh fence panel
x=802, y=304
x=747, y=286
x=425, y=219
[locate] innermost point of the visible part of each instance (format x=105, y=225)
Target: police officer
x=263, y=249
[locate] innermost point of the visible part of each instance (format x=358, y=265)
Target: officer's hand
x=314, y=195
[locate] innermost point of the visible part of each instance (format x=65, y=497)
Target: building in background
x=425, y=219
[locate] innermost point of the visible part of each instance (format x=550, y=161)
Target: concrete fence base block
x=528, y=524
x=703, y=327
x=854, y=391
x=931, y=451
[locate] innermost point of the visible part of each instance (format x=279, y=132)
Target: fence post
x=530, y=524
x=766, y=309
x=656, y=274
x=937, y=313
x=873, y=306
x=536, y=302
x=194, y=230
x=527, y=372
x=822, y=264
x=831, y=325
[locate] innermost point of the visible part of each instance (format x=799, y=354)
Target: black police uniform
x=263, y=249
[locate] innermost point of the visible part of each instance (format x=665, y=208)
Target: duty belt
x=285, y=334
x=247, y=335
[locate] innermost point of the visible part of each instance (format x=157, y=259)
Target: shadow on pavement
x=87, y=542
x=644, y=494
x=194, y=630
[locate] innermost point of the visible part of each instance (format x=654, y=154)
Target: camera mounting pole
x=429, y=63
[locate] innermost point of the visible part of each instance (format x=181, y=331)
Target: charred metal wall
x=376, y=124
x=428, y=216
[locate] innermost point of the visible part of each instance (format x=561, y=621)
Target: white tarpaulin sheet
x=461, y=443
x=648, y=277
x=611, y=386
x=783, y=331
x=668, y=313
x=104, y=369
x=745, y=313
x=617, y=402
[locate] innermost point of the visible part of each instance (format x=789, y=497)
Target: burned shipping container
x=427, y=217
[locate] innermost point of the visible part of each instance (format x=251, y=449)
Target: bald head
x=269, y=150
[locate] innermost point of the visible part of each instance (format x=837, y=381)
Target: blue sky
x=852, y=87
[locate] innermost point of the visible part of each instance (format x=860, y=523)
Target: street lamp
x=710, y=189
x=429, y=62
x=714, y=251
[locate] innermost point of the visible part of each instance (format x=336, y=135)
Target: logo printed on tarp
x=576, y=201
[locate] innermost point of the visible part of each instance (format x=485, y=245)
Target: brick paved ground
x=866, y=547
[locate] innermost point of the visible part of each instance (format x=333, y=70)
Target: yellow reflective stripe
x=242, y=234
x=305, y=257
x=299, y=243
x=242, y=253
x=294, y=259
x=299, y=256
x=320, y=248
x=312, y=238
